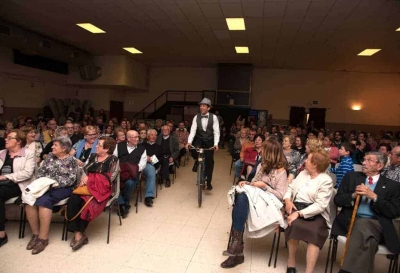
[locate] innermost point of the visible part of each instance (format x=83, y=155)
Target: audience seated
x=31, y=144
x=119, y=134
x=393, y=170
x=60, y=131
x=300, y=145
x=245, y=144
x=61, y=168
x=271, y=177
x=135, y=153
x=154, y=155
x=48, y=135
x=252, y=155
x=81, y=209
x=142, y=136
x=307, y=205
x=17, y=165
x=292, y=156
x=170, y=152
x=332, y=150
x=379, y=205
x=346, y=163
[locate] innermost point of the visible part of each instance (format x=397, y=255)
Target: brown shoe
x=71, y=244
x=32, y=242
x=82, y=241
x=39, y=246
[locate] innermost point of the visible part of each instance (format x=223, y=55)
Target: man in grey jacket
x=170, y=152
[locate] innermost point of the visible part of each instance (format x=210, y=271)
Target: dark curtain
x=318, y=116
x=297, y=115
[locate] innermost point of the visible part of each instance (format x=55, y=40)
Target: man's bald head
x=133, y=137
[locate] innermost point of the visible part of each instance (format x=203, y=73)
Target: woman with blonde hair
x=87, y=146
x=311, y=145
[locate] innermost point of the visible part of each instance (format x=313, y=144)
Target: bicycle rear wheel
x=199, y=184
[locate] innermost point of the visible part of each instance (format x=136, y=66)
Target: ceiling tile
x=211, y=10
x=253, y=9
x=232, y=10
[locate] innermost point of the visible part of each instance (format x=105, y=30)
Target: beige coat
x=319, y=192
x=23, y=167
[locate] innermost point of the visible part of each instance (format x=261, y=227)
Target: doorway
x=116, y=109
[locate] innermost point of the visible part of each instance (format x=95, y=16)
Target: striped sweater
x=345, y=166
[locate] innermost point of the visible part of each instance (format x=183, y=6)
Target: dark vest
x=206, y=136
x=133, y=157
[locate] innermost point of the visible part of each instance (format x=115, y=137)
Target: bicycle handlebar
x=191, y=147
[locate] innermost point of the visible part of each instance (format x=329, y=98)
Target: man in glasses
x=48, y=135
x=379, y=205
x=393, y=170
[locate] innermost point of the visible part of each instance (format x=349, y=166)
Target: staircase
x=162, y=105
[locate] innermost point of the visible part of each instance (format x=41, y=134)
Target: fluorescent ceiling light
x=356, y=107
x=242, y=49
x=91, y=28
x=398, y=29
x=235, y=23
x=369, y=52
x=132, y=50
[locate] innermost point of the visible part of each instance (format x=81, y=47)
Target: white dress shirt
x=143, y=158
x=204, y=122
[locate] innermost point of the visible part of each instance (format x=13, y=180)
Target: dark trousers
x=7, y=192
x=165, y=166
x=208, y=156
x=363, y=245
x=240, y=211
x=74, y=205
x=182, y=152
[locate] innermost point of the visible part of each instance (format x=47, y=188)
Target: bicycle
x=201, y=181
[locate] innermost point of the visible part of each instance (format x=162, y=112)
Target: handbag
x=82, y=190
x=128, y=171
x=7, y=182
x=301, y=206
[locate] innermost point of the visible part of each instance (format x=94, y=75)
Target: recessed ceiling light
x=356, y=107
x=91, y=28
x=242, y=49
x=235, y=23
x=398, y=29
x=132, y=50
x=369, y=52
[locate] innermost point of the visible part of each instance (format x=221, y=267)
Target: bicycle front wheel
x=199, y=184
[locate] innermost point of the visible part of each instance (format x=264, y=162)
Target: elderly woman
x=119, y=134
x=103, y=161
x=292, y=156
x=307, y=205
x=332, y=150
x=253, y=154
x=60, y=131
x=85, y=147
x=17, y=165
x=311, y=145
x=271, y=177
x=62, y=168
x=31, y=144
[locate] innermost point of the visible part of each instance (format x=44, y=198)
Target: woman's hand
x=292, y=217
x=2, y=177
x=289, y=206
x=84, y=180
x=80, y=163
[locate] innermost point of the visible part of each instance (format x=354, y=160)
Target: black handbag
x=301, y=206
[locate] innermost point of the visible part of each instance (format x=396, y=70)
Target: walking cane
x=353, y=218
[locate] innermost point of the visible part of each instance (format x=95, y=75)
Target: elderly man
x=393, y=170
x=154, y=152
x=379, y=205
x=135, y=153
x=182, y=136
x=170, y=152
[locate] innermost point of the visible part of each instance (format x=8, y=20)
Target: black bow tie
x=205, y=116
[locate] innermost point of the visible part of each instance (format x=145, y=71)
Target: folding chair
x=22, y=216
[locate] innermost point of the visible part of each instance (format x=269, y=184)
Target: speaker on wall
x=90, y=72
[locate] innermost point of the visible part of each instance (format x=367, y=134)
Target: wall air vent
x=5, y=30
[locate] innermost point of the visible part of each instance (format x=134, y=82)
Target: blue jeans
x=240, y=211
x=126, y=192
x=150, y=173
x=238, y=167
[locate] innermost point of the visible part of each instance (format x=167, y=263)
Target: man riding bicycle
x=204, y=133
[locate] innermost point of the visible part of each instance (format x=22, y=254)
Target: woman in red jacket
x=104, y=162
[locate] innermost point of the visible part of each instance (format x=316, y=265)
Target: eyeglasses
x=91, y=135
x=9, y=138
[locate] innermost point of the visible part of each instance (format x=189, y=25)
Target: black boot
x=122, y=211
x=167, y=183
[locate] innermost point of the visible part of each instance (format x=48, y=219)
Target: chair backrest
x=357, y=167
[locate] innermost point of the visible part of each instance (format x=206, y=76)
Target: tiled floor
x=173, y=236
